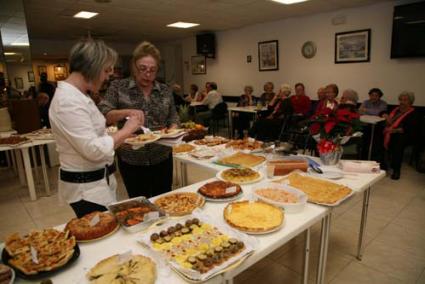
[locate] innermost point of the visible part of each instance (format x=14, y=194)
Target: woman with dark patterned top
x=148, y=170
x=241, y=120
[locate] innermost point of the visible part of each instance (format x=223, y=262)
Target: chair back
x=25, y=114
x=219, y=111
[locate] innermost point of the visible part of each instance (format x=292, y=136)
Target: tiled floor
x=395, y=238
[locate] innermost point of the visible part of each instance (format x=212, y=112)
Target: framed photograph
x=42, y=69
x=353, y=46
x=60, y=72
x=268, y=55
x=19, y=83
x=31, y=76
x=199, y=65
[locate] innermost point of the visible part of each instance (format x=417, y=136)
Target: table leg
x=306, y=256
x=230, y=124
x=14, y=161
x=28, y=173
x=34, y=162
x=324, y=241
x=44, y=170
x=366, y=195
x=20, y=167
x=8, y=159
x=183, y=174
x=372, y=134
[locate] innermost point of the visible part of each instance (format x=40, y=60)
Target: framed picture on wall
x=42, y=69
x=353, y=46
x=31, y=76
x=19, y=83
x=199, y=65
x=60, y=72
x=268, y=55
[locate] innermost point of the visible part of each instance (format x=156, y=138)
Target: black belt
x=85, y=177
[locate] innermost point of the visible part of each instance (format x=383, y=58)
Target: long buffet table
x=359, y=183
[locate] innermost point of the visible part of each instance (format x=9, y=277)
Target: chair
x=219, y=114
x=25, y=114
x=297, y=133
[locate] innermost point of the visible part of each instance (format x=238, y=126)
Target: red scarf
x=394, y=124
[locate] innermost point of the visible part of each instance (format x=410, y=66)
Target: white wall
x=231, y=71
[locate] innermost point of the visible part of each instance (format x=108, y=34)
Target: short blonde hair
x=145, y=49
x=89, y=57
x=285, y=88
x=249, y=87
x=409, y=95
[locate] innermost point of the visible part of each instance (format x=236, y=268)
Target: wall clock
x=309, y=49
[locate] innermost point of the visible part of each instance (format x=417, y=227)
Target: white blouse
x=82, y=143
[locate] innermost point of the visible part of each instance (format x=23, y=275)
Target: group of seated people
x=277, y=110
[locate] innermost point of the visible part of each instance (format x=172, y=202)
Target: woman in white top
x=86, y=151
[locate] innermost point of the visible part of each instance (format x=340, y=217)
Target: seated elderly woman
x=268, y=128
x=374, y=105
x=241, y=120
x=330, y=102
x=349, y=99
x=400, y=131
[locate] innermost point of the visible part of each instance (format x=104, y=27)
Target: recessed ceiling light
x=289, y=2
x=85, y=15
x=9, y=53
x=182, y=25
x=20, y=44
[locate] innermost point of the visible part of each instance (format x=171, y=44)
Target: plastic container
x=289, y=207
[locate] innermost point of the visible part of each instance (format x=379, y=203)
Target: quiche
x=242, y=159
x=253, y=216
x=123, y=269
x=40, y=251
x=240, y=175
x=180, y=203
x=318, y=190
x=220, y=189
x=92, y=226
x=183, y=148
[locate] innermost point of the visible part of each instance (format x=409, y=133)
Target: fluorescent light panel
x=289, y=2
x=9, y=53
x=85, y=15
x=182, y=25
x=20, y=44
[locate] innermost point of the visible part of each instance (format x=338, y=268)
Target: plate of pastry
x=240, y=175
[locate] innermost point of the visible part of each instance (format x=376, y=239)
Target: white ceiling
x=135, y=20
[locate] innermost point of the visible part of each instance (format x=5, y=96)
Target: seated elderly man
x=211, y=100
x=400, y=131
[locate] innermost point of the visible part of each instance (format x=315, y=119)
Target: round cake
x=220, y=189
x=87, y=228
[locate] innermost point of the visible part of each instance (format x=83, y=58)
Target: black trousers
x=84, y=207
x=396, y=150
x=241, y=122
x=147, y=180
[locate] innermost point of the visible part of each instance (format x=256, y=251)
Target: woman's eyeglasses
x=146, y=69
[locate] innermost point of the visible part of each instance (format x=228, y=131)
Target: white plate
x=218, y=175
x=172, y=134
x=326, y=174
x=133, y=143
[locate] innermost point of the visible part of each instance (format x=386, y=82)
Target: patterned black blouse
x=159, y=110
